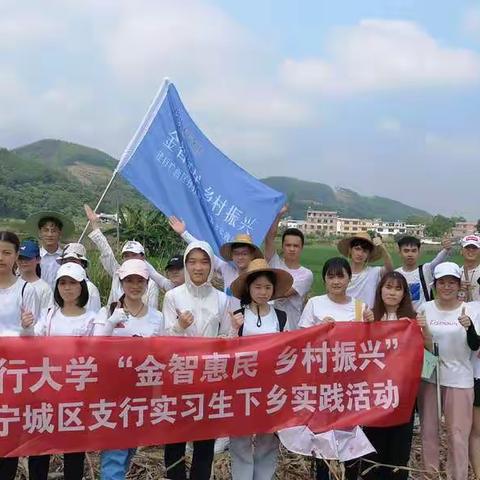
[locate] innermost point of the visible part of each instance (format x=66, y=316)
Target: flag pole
x=107, y=188
x=133, y=142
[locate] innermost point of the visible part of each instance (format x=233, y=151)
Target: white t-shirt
x=150, y=325
x=53, y=323
x=317, y=308
x=11, y=303
x=44, y=293
x=269, y=324
x=302, y=282
x=363, y=285
x=455, y=355
x=413, y=278
x=473, y=276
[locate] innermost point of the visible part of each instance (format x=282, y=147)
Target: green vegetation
x=314, y=256
x=347, y=203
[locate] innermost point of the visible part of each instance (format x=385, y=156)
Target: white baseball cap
x=134, y=247
x=134, y=266
x=446, y=269
x=72, y=270
x=471, y=240
x=74, y=250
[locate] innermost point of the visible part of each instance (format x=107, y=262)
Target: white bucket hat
x=74, y=250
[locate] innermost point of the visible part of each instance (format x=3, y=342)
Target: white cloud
x=389, y=125
x=454, y=147
x=378, y=55
x=471, y=21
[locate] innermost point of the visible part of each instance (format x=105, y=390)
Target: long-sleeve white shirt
x=49, y=265
x=110, y=264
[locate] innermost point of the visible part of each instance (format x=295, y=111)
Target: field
x=315, y=255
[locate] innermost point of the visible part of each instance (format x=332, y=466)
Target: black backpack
x=281, y=315
x=426, y=293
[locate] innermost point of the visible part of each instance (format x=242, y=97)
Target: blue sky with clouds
x=381, y=96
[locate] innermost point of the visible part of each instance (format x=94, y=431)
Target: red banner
x=64, y=394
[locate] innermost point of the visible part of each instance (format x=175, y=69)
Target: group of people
x=45, y=291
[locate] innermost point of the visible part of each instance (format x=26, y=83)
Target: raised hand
x=367, y=315
x=464, y=319
x=177, y=225
x=118, y=318
x=446, y=242
x=421, y=319
x=92, y=216
x=185, y=319
x=27, y=318
x=237, y=320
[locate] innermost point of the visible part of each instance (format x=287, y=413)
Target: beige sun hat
x=283, y=284
x=240, y=239
x=344, y=246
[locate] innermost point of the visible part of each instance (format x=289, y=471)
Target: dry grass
x=148, y=465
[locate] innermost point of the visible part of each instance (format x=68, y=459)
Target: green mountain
x=318, y=196
x=58, y=175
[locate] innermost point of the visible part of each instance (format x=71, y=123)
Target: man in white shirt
x=292, y=246
x=50, y=227
x=419, y=277
x=470, y=251
x=361, y=250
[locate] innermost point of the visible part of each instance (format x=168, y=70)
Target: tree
x=439, y=226
x=151, y=228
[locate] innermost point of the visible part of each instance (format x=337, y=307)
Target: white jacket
x=111, y=266
x=209, y=306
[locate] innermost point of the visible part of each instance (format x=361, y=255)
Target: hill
x=63, y=175
x=302, y=195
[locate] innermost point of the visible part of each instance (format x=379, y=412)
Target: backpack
x=281, y=315
x=427, y=294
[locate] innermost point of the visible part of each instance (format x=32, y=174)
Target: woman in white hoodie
x=195, y=309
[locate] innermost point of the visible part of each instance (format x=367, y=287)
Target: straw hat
x=32, y=222
x=344, y=246
x=283, y=284
x=242, y=239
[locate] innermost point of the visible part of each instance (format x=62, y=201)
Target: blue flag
x=174, y=165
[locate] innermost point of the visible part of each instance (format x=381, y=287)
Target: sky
x=380, y=96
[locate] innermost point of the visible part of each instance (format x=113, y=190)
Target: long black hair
x=246, y=298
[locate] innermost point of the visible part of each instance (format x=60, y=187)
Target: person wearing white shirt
x=470, y=252
x=130, y=250
x=76, y=253
x=392, y=444
x=18, y=313
x=67, y=317
x=419, y=277
x=255, y=456
x=452, y=325
x=236, y=256
x=29, y=268
x=130, y=316
x=292, y=246
x=361, y=250
x=335, y=306
x=195, y=309
x=50, y=227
